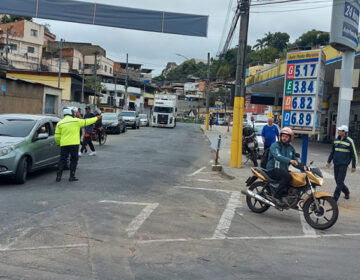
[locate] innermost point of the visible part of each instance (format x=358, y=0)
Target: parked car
x=144, y=120
x=27, y=143
x=258, y=129
x=113, y=122
x=131, y=118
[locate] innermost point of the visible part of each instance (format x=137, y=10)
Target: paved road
x=148, y=206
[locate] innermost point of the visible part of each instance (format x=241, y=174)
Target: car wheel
x=22, y=171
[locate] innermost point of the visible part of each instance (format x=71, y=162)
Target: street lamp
x=179, y=54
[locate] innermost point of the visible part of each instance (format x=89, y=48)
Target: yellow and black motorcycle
x=319, y=208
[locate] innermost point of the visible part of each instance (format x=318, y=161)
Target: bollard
x=217, y=167
x=228, y=130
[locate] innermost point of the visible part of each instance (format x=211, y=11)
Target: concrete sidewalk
x=318, y=153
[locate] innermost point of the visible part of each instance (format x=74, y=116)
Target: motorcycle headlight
x=6, y=150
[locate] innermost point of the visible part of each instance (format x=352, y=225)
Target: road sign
x=344, y=25
x=303, y=89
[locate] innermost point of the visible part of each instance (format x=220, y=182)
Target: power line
x=225, y=25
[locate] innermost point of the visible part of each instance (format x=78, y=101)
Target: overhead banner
x=107, y=15
x=344, y=24
x=303, y=90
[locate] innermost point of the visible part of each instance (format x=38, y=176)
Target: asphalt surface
x=148, y=206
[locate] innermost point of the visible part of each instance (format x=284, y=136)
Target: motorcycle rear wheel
x=323, y=218
x=255, y=205
x=254, y=157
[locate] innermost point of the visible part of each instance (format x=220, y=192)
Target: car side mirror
x=42, y=136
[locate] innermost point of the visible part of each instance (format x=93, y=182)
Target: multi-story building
x=22, y=44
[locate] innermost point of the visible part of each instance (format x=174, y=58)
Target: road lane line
x=306, y=228
x=225, y=221
x=197, y=171
x=44, y=247
x=203, y=189
x=284, y=237
x=136, y=223
x=327, y=175
x=25, y=232
x=140, y=219
x=204, y=180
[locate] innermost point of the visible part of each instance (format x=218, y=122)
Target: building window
x=105, y=68
x=50, y=104
x=31, y=49
x=110, y=70
x=80, y=65
x=33, y=32
x=13, y=47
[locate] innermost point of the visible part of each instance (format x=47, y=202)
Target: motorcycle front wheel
x=103, y=138
x=324, y=217
x=255, y=205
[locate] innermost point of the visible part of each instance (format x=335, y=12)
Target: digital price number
x=303, y=119
x=304, y=70
x=300, y=87
x=303, y=103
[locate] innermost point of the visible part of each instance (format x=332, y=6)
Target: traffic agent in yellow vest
x=67, y=131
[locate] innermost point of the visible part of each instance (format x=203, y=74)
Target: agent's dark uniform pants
x=340, y=174
x=283, y=177
x=65, y=151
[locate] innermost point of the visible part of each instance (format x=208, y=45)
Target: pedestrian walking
x=211, y=121
x=88, y=132
x=343, y=152
x=270, y=134
x=67, y=135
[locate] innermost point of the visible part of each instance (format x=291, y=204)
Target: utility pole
x=126, y=82
x=82, y=83
x=95, y=76
x=115, y=93
x=60, y=61
x=207, y=93
x=7, y=43
x=236, y=141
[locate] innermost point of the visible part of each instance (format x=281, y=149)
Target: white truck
x=165, y=110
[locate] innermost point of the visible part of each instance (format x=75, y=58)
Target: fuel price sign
x=303, y=90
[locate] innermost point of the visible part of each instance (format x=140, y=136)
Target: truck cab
x=165, y=111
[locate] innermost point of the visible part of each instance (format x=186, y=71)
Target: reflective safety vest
x=343, y=152
x=68, y=130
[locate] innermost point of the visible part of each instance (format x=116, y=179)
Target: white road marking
x=285, y=237
x=25, y=232
x=197, y=171
x=44, y=247
x=226, y=218
x=204, y=180
x=140, y=219
x=327, y=175
x=307, y=229
x=136, y=223
x=203, y=189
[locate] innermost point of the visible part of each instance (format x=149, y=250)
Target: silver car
x=27, y=143
x=144, y=120
x=131, y=118
x=258, y=126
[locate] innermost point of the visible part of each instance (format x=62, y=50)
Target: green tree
x=90, y=83
x=312, y=38
x=13, y=18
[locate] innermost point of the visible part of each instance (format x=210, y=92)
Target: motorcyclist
x=281, y=155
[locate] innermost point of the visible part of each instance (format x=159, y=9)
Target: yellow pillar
x=207, y=118
x=236, y=140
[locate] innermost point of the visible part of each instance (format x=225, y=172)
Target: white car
x=144, y=120
x=258, y=129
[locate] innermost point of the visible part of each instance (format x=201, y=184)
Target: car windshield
x=109, y=117
x=127, y=114
x=16, y=127
x=258, y=128
x=143, y=116
x=163, y=109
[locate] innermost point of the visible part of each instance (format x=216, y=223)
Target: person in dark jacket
x=281, y=155
x=87, y=136
x=343, y=152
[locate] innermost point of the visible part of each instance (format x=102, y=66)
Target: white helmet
x=67, y=111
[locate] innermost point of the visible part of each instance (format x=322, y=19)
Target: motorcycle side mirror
x=311, y=163
x=297, y=155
